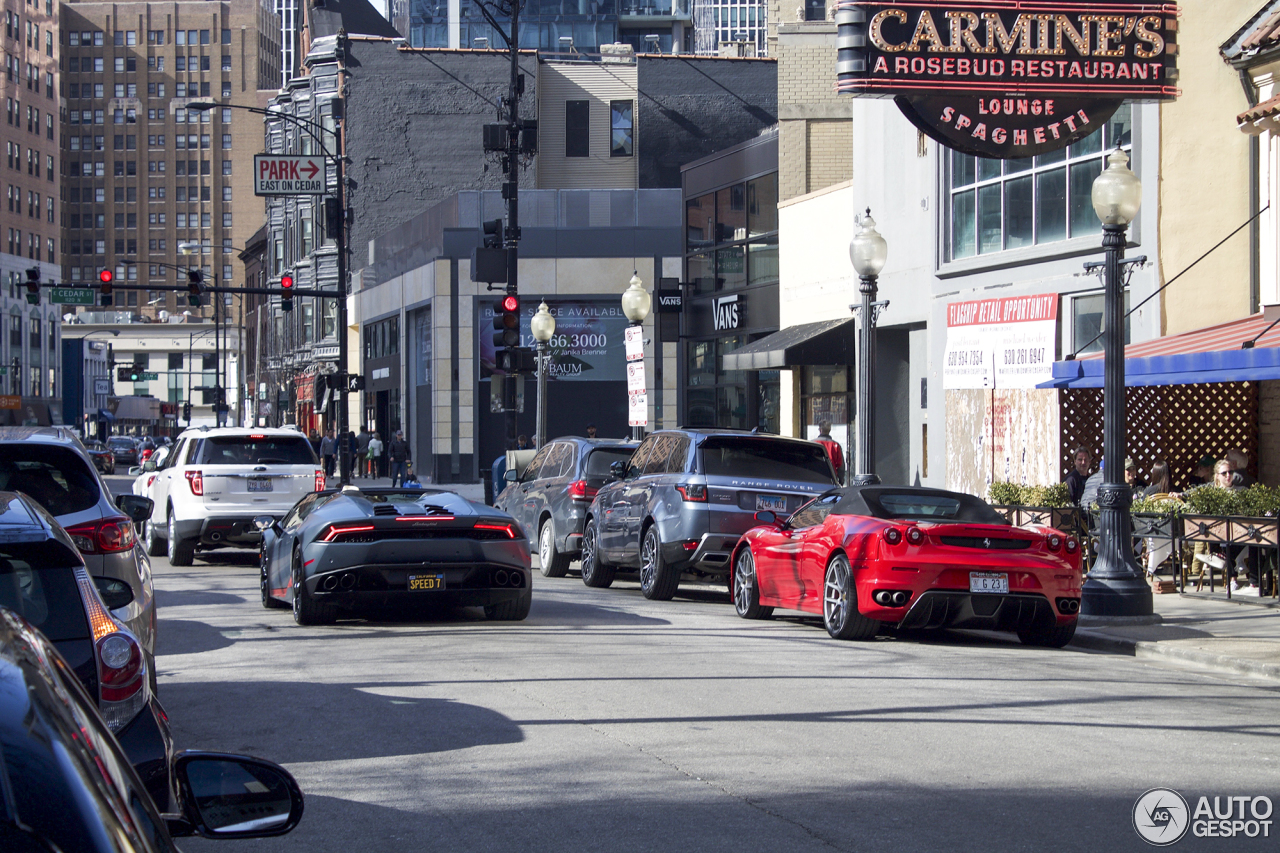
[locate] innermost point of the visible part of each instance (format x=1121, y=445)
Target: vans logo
x=726, y=312
x=669, y=301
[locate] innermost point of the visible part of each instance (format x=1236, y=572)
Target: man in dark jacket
x=362, y=449
x=1079, y=475
x=398, y=455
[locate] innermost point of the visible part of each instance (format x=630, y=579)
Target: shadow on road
x=196, y=598
x=289, y=721
x=188, y=637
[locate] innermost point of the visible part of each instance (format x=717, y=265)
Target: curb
x=1093, y=641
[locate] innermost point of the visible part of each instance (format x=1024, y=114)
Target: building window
x=1086, y=322
x=577, y=129
x=997, y=205
x=621, y=129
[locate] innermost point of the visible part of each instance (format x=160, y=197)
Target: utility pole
x=512, y=192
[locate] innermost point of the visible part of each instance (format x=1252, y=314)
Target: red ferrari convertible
x=870, y=556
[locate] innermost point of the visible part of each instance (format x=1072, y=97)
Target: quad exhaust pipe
x=502, y=577
x=1068, y=605
x=345, y=581
x=891, y=597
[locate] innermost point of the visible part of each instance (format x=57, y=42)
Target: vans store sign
x=1008, y=79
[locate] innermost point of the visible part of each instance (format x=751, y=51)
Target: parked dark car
x=370, y=549
x=66, y=785
x=550, y=497
x=685, y=498
x=103, y=459
x=124, y=449
x=43, y=579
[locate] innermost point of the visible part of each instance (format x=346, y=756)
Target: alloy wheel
x=744, y=577
x=835, y=604
x=648, y=563
x=544, y=547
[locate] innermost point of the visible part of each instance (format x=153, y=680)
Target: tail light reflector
x=580, y=491
x=893, y=535
x=695, y=492
x=915, y=535
x=1072, y=545
x=107, y=536
x=1054, y=541
x=319, y=480
x=336, y=531
x=195, y=480
x=122, y=672
x=505, y=528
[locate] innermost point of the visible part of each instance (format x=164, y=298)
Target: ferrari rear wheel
x=514, y=610
x=157, y=546
x=551, y=562
x=595, y=571
x=658, y=579
x=840, y=604
x=1052, y=636
x=305, y=610
x=746, y=592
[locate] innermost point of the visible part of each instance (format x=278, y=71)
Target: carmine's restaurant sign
x=1008, y=78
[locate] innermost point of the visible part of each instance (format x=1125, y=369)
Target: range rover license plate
x=259, y=484
x=773, y=503
x=425, y=583
x=995, y=582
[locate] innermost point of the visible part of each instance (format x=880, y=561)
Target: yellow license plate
x=425, y=583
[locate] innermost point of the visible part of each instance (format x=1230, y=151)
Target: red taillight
x=151, y=480
x=1054, y=541
x=693, y=492
x=108, y=536
x=196, y=481
x=893, y=535
x=319, y=480
x=915, y=535
x=335, y=531
x=505, y=528
x=119, y=667
x=257, y=436
x=1072, y=545
x=580, y=491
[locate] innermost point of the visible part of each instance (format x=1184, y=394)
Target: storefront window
x=701, y=273
x=762, y=205
x=762, y=261
x=731, y=268
x=826, y=395
x=731, y=213
x=700, y=219
x=997, y=205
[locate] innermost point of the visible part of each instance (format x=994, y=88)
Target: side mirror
x=233, y=796
x=134, y=471
x=264, y=522
x=115, y=593
x=765, y=516
x=135, y=506
x=149, y=465
x=511, y=476
x=618, y=470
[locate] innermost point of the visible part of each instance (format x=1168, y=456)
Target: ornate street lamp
x=1116, y=586
x=868, y=251
x=543, y=326
x=636, y=302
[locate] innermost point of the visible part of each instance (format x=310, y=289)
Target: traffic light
x=105, y=278
x=195, y=288
x=286, y=293
x=332, y=217
x=186, y=412
x=128, y=374
x=33, y=285
x=492, y=234
x=506, y=324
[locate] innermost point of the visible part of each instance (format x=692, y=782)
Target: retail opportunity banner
x=587, y=345
x=1001, y=343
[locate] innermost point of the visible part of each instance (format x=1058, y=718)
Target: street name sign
x=71, y=296
x=148, y=377
x=282, y=174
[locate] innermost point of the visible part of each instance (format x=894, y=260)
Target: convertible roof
x=895, y=502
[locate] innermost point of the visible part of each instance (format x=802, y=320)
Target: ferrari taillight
x=196, y=481
x=915, y=535
x=1054, y=541
x=893, y=535
x=1072, y=545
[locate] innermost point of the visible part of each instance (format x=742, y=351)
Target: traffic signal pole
x=344, y=441
x=513, y=206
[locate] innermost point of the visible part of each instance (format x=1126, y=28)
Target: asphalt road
x=608, y=722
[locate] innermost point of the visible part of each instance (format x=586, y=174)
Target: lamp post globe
x=542, y=324
x=868, y=249
x=1117, y=192
x=1116, y=585
x=636, y=301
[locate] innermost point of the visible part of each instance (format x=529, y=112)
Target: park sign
x=1007, y=78
x=284, y=174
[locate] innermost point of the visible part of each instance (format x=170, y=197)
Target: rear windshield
x=599, y=461
x=47, y=596
x=763, y=459
x=935, y=506
x=120, y=442
x=246, y=450
x=58, y=478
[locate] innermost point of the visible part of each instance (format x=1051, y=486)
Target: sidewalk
x=1237, y=638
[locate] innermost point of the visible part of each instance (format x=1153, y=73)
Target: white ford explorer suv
x=216, y=481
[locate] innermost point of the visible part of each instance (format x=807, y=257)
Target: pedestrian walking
x=400, y=457
x=328, y=448
x=834, y=451
x=1079, y=474
x=362, y=450
x=373, y=456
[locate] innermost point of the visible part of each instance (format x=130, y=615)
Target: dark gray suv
x=686, y=497
x=551, y=495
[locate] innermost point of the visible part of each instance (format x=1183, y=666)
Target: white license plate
x=260, y=484
x=773, y=503
x=988, y=582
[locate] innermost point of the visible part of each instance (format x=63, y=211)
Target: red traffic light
x=510, y=302
x=106, y=276
x=286, y=282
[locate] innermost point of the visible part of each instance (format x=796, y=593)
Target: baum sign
x=1008, y=79
x=278, y=174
